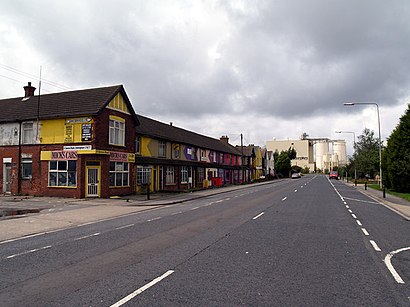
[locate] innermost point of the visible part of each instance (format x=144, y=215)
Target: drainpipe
x=19, y=162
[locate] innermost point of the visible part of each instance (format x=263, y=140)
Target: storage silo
x=339, y=149
x=322, y=152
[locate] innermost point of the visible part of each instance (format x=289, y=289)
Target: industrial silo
x=339, y=149
x=322, y=153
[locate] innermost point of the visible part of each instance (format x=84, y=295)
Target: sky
x=266, y=69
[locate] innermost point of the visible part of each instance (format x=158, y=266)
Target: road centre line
x=259, y=215
x=179, y=212
x=285, y=198
x=154, y=219
x=350, y=211
x=125, y=226
x=296, y=191
x=387, y=261
x=375, y=246
x=88, y=236
x=359, y=223
x=354, y=216
x=347, y=207
x=365, y=231
x=28, y=252
x=142, y=289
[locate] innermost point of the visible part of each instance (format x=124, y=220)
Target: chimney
x=224, y=139
x=29, y=90
x=170, y=124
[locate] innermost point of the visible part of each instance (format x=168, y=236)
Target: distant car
x=333, y=175
x=295, y=175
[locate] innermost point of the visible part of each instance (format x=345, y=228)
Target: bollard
x=148, y=188
x=384, y=192
x=355, y=183
x=365, y=185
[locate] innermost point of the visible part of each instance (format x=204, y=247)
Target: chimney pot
x=29, y=90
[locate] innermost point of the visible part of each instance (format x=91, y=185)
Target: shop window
x=62, y=173
x=170, y=175
x=26, y=168
x=143, y=175
x=119, y=174
x=184, y=174
x=27, y=133
x=117, y=132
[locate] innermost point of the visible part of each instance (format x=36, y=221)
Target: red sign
x=64, y=155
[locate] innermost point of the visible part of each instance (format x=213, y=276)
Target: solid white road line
x=89, y=236
x=375, y=246
x=387, y=261
x=142, y=289
x=365, y=231
x=28, y=252
x=259, y=215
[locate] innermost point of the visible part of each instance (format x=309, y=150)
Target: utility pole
x=243, y=177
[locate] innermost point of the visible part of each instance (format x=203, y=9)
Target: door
x=93, y=181
x=6, y=177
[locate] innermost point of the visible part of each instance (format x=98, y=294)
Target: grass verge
x=405, y=196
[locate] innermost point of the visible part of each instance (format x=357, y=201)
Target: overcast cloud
x=262, y=68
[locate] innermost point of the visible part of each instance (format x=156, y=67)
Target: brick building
x=70, y=144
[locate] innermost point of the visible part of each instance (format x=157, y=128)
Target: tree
x=396, y=156
x=283, y=161
x=366, y=156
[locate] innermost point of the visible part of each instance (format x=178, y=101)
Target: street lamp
x=380, y=138
x=354, y=146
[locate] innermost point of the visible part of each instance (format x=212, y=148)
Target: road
x=308, y=241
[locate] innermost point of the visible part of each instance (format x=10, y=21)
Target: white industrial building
x=313, y=153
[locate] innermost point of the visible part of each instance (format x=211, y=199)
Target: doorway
x=93, y=181
x=6, y=177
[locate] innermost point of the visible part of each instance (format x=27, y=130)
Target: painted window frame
x=26, y=168
x=116, y=132
x=162, y=149
x=62, y=173
x=169, y=175
x=184, y=174
x=27, y=133
x=119, y=174
x=138, y=145
x=143, y=175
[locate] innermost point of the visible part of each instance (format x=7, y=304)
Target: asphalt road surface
x=300, y=242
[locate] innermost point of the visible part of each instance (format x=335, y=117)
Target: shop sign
x=121, y=157
x=64, y=155
x=78, y=147
x=86, y=132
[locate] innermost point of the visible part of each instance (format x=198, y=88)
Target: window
x=176, y=150
x=62, y=173
x=117, y=132
x=138, y=145
x=161, y=149
x=27, y=133
x=201, y=174
x=26, y=168
x=184, y=174
x=143, y=175
x=119, y=174
x=169, y=175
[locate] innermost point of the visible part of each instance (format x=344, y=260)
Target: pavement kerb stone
x=93, y=211
x=402, y=210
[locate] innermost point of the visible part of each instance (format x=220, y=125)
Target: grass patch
x=405, y=196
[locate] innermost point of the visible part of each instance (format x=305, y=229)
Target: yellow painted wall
x=60, y=131
x=118, y=103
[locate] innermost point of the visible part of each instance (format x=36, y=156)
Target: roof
x=154, y=128
x=58, y=105
x=248, y=151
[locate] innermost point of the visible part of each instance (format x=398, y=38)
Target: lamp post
x=354, y=145
x=380, y=139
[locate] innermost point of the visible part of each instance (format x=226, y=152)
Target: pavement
x=28, y=216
